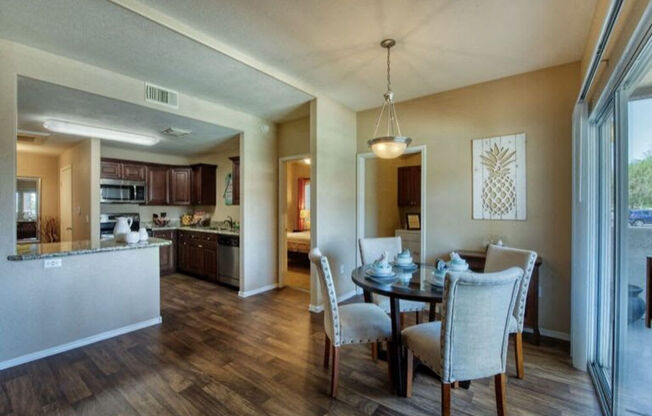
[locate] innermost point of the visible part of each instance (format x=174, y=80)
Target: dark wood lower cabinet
x=167, y=254
x=198, y=254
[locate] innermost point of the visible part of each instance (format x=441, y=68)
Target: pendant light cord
x=389, y=80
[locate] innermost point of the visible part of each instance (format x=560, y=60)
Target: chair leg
x=417, y=314
x=335, y=371
x=402, y=320
x=499, y=381
x=327, y=350
x=518, y=347
x=389, y=364
x=445, y=399
x=374, y=351
x=409, y=374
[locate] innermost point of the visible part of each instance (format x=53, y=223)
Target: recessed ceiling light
x=75, y=129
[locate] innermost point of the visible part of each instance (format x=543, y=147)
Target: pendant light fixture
x=393, y=143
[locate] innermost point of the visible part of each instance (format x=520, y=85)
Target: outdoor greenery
x=640, y=183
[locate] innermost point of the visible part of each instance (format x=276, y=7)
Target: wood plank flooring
x=218, y=354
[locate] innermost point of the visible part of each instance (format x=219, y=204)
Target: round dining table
x=407, y=284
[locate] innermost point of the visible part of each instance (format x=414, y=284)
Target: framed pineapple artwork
x=499, y=191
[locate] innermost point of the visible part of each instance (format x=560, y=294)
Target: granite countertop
x=199, y=229
x=74, y=248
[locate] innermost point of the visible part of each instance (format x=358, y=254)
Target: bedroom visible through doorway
x=295, y=216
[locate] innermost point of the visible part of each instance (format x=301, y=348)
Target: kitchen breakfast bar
x=77, y=293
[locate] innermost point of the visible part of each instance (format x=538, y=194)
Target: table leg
x=431, y=313
x=397, y=347
x=367, y=296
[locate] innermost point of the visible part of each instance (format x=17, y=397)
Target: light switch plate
x=51, y=263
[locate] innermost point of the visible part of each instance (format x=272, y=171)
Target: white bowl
x=132, y=237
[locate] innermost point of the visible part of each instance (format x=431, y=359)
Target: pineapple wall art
x=499, y=178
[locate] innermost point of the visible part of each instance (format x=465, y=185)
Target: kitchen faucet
x=229, y=220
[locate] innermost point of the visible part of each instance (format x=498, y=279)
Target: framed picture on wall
x=413, y=221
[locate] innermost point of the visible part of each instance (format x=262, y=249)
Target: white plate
x=370, y=273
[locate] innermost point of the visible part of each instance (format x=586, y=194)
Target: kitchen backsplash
x=173, y=212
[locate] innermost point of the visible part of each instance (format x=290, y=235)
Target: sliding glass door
x=621, y=360
x=603, y=364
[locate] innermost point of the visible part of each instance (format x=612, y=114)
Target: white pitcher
x=122, y=227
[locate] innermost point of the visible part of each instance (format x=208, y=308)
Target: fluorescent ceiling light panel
x=75, y=129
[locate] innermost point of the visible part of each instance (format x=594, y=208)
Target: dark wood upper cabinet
x=157, y=185
x=180, y=186
x=236, y=179
x=133, y=171
x=169, y=185
x=409, y=186
x=204, y=180
x=110, y=169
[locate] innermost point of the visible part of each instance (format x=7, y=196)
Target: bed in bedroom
x=298, y=246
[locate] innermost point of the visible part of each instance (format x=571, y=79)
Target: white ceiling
x=103, y=34
x=442, y=44
x=330, y=46
x=39, y=101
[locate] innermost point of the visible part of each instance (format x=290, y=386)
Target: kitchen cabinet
x=110, y=169
x=198, y=254
x=204, y=182
x=409, y=186
x=236, y=179
x=157, y=185
x=133, y=171
x=171, y=185
x=180, y=185
x=167, y=254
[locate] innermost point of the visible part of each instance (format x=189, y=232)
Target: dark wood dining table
x=408, y=285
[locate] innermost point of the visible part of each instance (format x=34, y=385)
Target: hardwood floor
x=218, y=354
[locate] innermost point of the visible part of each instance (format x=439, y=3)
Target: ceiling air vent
x=171, y=131
x=161, y=96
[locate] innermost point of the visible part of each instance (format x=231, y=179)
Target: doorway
x=294, y=222
x=65, y=202
x=391, y=199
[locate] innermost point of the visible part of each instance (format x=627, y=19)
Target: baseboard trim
x=340, y=299
x=346, y=296
x=316, y=308
x=246, y=294
x=550, y=333
x=78, y=343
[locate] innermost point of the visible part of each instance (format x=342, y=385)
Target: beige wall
x=293, y=137
x=45, y=167
x=333, y=191
x=295, y=170
x=220, y=157
x=80, y=158
x=382, y=213
x=540, y=104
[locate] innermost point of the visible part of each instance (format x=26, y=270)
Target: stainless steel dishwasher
x=229, y=259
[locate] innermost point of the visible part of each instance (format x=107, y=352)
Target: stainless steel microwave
x=116, y=191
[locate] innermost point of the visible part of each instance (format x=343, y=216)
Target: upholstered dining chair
x=356, y=323
x=501, y=258
x=370, y=250
x=470, y=341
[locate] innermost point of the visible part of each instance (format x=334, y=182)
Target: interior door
x=65, y=202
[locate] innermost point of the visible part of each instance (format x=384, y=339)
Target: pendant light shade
x=393, y=143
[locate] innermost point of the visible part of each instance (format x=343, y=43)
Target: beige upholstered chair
x=501, y=258
x=357, y=323
x=370, y=250
x=470, y=341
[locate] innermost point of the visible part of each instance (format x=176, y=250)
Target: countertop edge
x=199, y=230
x=122, y=247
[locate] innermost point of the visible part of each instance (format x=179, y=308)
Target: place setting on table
x=403, y=279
